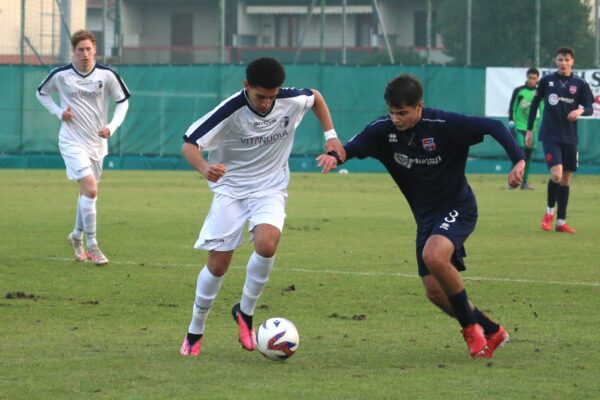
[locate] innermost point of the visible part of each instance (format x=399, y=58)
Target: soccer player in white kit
x=84, y=88
x=249, y=138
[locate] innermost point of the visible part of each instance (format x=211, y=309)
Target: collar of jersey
x=563, y=76
x=253, y=110
x=78, y=73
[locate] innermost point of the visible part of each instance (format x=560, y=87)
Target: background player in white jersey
x=249, y=137
x=84, y=88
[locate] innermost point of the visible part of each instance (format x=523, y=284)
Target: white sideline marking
x=338, y=272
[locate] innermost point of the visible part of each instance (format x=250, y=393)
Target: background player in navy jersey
x=84, y=88
x=425, y=151
x=566, y=97
x=249, y=138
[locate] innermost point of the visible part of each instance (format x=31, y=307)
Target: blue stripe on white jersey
x=52, y=73
x=293, y=92
x=221, y=113
x=121, y=83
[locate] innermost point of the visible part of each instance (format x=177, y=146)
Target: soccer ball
x=277, y=339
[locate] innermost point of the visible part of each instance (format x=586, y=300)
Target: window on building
x=182, y=37
x=99, y=43
x=288, y=31
x=364, y=30
x=420, y=29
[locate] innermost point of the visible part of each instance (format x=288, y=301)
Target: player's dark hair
x=534, y=71
x=265, y=72
x=405, y=90
x=565, y=50
x=82, y=35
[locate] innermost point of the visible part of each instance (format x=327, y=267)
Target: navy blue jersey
x=428, y=161
x=561, y=95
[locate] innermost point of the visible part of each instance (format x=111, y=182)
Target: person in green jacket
x=518, y=113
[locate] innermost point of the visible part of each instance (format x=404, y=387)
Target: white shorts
x=79, y=164
x=223, y=228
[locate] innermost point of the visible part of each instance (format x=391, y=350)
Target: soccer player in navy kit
x=249, y=138
x=566, y=97
x=425, y=151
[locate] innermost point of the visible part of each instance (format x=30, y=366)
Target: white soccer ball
x=343, y=171
x=277, y=339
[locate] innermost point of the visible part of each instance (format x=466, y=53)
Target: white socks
x=257, y=276
x=87, y=208
x=207, y=288
x=78, y=229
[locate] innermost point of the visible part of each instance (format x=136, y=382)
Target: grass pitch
x=345, y=274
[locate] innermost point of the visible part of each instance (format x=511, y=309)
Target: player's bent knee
x=433, y=261
x=266, y=246
x=556, y=177
x=218, y=262
x=437, y=297
x=266, y=249
x=217, y=270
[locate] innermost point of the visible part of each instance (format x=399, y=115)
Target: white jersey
x=87, y=95
x=254, y=147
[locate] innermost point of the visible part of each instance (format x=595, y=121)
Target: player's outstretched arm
x=515, y=177
x=193, y=155
x=326, y=163
x=332, y=143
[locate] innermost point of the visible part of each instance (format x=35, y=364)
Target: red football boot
x=188, y=349
x=475, y=339
x=495, y=341
x=564, y=228
x=247, y=335
x=547, y=221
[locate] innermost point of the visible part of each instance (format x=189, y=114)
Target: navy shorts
x=456, y=222
x=561, y=153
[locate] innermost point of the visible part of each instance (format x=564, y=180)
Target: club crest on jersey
x=551, y=84
x=428, y=144
x=393, y=138
x=572, y=89
x=284, y=122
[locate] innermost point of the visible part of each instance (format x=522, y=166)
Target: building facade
x=37, y=32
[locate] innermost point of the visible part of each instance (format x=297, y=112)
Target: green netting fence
x=166, y=99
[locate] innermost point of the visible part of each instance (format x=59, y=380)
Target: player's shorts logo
x=207, y=241
x=553, y=99
x=451, y=218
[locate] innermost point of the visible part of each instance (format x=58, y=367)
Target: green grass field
x=85, y=332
